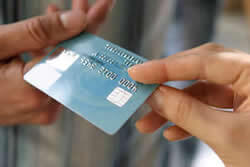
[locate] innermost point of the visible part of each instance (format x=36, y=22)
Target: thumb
x=198, y=119
x=40, y=32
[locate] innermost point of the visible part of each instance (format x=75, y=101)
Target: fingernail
x=132, y=69
x=66, y=17
x=135, y=68
x=69, y=19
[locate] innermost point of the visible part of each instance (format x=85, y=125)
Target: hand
x=20, y=103
x=223, y=82
x=96, y=14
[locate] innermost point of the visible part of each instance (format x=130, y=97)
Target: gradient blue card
x=89, y=76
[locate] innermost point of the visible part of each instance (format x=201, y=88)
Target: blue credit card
x=89, y=76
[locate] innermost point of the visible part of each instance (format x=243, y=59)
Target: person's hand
x=96, y=14
x=223, y=82
x=20, y=103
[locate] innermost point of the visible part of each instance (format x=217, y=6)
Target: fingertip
x=150, y=123
x=168, y=136
x=140, y=126
x=136, y=73
x=132, y=72
x=150, y=72
x=174, y=134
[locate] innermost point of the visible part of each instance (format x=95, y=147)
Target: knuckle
x=213, y=46
x=38, y=30
x=183, y=110
x=202, y=66
x=241, y=80
x=246, y=69
x=210, y=45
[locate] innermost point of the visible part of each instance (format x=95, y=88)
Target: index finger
x=209, y=62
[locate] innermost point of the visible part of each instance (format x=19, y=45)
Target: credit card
x=88, y=75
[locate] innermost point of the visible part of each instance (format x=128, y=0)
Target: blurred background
x=152, y=29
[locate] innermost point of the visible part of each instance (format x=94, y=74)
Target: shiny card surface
x=89, y=76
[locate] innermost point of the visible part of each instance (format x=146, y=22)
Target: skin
x=223, y=82
x=20, y=103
